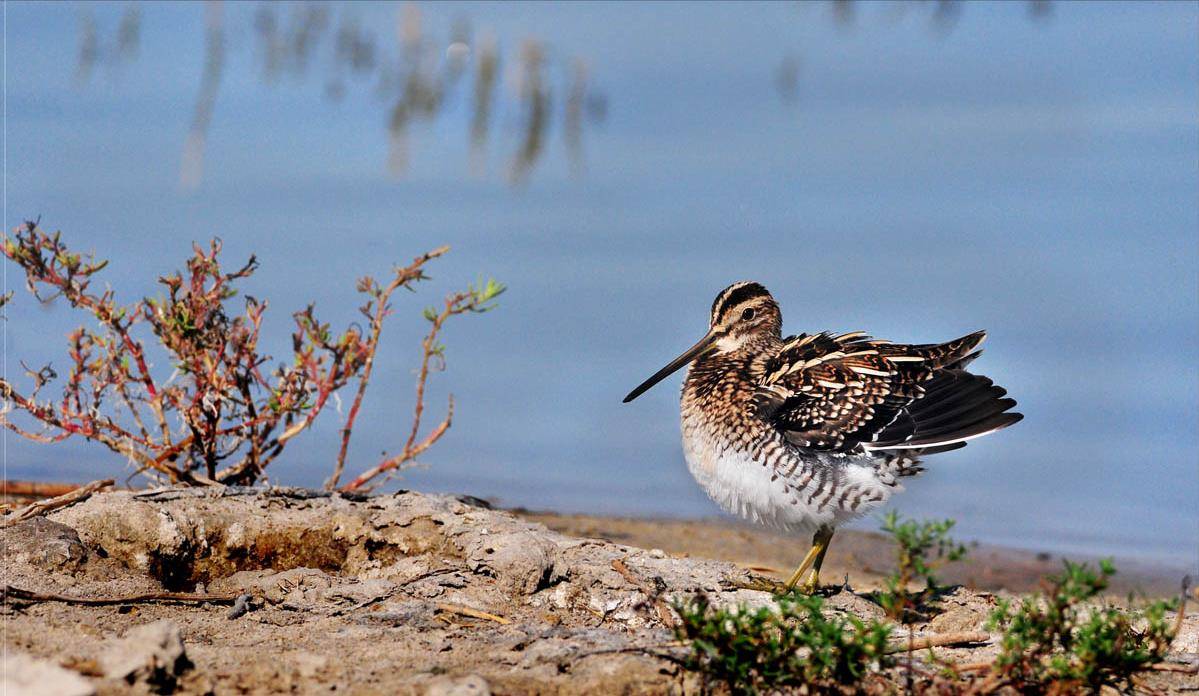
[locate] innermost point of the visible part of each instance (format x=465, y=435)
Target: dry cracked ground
x=407, y=593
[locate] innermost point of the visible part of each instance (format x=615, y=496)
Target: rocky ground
x=408, y=593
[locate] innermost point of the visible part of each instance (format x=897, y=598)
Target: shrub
x=226, y=413
x=1056, y=643
x=921, y=549
x=1061, y=641
x=775, y=648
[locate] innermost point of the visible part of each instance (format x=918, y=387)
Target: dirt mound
x=407, y=593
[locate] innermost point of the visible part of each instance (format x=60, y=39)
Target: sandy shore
x=864, y=556
x=295, y=591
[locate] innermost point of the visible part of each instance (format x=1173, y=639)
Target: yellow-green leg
x=814, y=559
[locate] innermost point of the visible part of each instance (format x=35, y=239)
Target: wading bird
x=805, y=433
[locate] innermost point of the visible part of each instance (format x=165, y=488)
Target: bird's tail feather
x=956, y=406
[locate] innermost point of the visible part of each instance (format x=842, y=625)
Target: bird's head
x=744, y=315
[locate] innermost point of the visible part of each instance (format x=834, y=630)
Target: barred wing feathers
x=852, y=393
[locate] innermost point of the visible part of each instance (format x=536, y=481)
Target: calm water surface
x=1031, y=172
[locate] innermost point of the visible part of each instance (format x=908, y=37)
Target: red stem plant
x=223, y=415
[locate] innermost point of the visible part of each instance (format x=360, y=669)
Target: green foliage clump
x=921, y=548
x=1056, y=643
x=1060, y=641
x=771, y=649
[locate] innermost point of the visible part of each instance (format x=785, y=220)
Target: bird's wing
x=850, y=393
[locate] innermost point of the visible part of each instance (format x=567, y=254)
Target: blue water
x=1031, y=173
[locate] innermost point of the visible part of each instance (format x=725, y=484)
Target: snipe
x=805, y=433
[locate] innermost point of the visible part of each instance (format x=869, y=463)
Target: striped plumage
x=804, y=433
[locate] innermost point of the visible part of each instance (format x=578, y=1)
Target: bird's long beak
x=705, y=344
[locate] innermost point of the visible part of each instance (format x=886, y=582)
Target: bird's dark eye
x=747, y=314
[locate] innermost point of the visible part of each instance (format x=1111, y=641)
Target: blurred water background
x=919, y=171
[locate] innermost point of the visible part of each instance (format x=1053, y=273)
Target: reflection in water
x=487, y=66
x=572, y=122
x=1039, y=9
x=843, y=12
x=89, y=48
x=535, y=101
x=418, y=78
x=288, y=50
x=414, y=81
x=191, y=169
x=354, y=54
x=418, y=87
x=124, y=45
x=943, y=18
x=945, y=15
x=786, y=78
x=129, y=33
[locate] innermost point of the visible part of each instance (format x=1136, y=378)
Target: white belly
x=743, y=487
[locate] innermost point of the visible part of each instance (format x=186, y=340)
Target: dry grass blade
x=473, y=613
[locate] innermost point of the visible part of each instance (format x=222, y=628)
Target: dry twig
x=35, y=489
x=41, y=507
x=1173, y=667
x=939, y=640
x=8, y=592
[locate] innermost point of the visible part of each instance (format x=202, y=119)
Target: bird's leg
x=807, y=562
x=813, y=560
x=822, y=539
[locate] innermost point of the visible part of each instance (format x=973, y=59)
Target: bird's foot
x=813, y=587
x=760, y=583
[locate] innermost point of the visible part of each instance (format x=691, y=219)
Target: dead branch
x=651, y=651
x=35, y=489
x=939, y=640
x=1173, y=667
x=8, y=592
x=41, y=507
